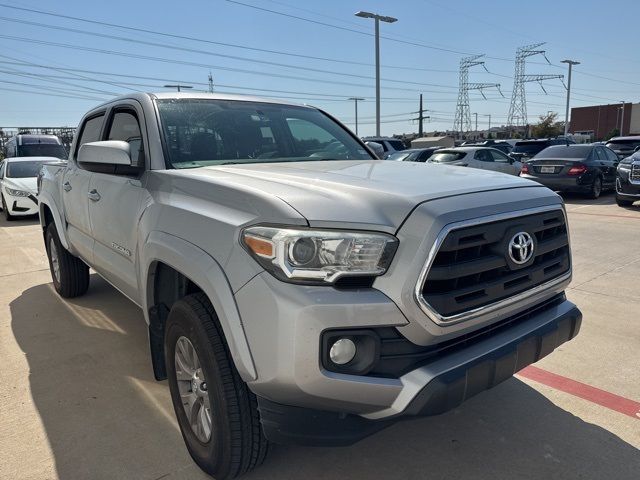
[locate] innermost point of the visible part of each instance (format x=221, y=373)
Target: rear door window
x=483, y=156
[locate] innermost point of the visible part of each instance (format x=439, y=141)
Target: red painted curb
x=582, y=390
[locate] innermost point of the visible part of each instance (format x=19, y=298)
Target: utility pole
x=178, y=86
x=622, y=118
x=378, y=19
x=420, y=117
x=476, y=122
x=356, y=100
x=210, y=82
x=566, y=112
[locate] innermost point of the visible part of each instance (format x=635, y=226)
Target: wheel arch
x=49, y=214
x=171, y=268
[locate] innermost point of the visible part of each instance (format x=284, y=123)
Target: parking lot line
x=605, y=215
x=582, y=390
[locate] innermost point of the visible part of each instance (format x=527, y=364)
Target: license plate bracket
x=547, y=169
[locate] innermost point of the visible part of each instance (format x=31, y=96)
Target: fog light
x=342, y=351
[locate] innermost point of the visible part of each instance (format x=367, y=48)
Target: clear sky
x=322, y=57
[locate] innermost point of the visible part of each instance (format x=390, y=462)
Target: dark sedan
x=586, y=169
x=413, y=154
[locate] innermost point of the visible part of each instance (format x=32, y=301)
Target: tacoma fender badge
x=121, y=249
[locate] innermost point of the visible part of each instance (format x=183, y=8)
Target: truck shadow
x=105, y=417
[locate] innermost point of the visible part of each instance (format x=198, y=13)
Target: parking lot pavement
x=78, y=400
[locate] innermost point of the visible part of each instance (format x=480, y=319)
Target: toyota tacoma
x=296, y=289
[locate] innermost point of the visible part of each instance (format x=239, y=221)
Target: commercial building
x=600, y=121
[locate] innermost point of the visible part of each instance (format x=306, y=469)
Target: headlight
x=625, y=164
x=319, y=257
x=16, y=193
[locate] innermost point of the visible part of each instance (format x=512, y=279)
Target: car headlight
x=16, y=193
x=319, y=256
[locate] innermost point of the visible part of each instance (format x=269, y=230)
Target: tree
x=613, y=133
x=548, y=126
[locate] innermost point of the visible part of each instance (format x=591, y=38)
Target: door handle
x=93, y=195
x=67, y=186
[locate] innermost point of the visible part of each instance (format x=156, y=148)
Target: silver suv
x=296, y=289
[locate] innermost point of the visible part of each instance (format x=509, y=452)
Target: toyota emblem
x=521, y=248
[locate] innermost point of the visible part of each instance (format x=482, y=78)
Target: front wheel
x=622, y=202
x=217, y=413
x=596, y=188
x=70, y=274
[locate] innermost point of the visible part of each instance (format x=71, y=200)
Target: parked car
x=477, y=157
x=501, y=145
x=296, y=294
x=18, y=189
x=628, y=180
x=27, y=145
x=587, y=169
x=624, y=146
x=526, y=149
x=413, y=154
x=389, y=144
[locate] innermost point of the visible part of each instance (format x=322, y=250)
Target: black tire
x=622, y=202
x=596, y=189
x=237, y=443
x=73, y=278
x=8, y=217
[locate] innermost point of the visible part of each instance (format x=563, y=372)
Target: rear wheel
x=7, y=215
x=596, y=188
x=217, y=413
x=623, y=202
x=70, y=274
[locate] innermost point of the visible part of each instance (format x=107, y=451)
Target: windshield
x=27, y=169
x=529, y=148
x=42, y=150
x=201, y=132
x=623, y=144
x=563, y=151
x=403, y=156
x=442, y=157
x=397, y=144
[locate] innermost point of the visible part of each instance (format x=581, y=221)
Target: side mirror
x=109, y=152
x=377, y=149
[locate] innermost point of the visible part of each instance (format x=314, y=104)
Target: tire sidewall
x=595, y=193
x=52, y=233
x=210, y=456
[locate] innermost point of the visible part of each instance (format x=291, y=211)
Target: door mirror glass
x=109, y=152
x=377, y=149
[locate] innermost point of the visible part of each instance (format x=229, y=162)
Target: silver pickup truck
x=296, y=289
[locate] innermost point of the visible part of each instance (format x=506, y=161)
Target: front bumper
x=435, y=387
x=625, y=188
x=21, y=206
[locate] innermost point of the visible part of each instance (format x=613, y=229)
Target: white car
x=18, y=185
x=477, y=157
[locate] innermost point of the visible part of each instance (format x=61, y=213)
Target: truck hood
x=25, y=184
x=366, y=193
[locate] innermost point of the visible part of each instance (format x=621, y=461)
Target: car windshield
x=405, y=156
x=26, y=169
x=42, y=150
x=529, y=148
x=564, y=151
x=202, y=132
x=623, y=144
x=397, y=144
x=442, y=157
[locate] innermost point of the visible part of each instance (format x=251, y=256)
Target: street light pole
x=622, y=118
x=356, y=100
x=488, y=129
x=566, y=112
x=377, y=18
x=476, y=122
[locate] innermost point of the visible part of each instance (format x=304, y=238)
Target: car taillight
x=524, y=169
x=577, y=170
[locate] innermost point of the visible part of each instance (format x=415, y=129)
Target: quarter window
x=90, y=131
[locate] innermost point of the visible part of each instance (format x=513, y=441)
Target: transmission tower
x=518, y=109
x=210, y=82
x=462, y=121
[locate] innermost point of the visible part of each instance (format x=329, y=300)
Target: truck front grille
x=472, y=267
x=634, y=176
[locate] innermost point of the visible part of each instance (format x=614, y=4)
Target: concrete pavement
x=78, y=399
